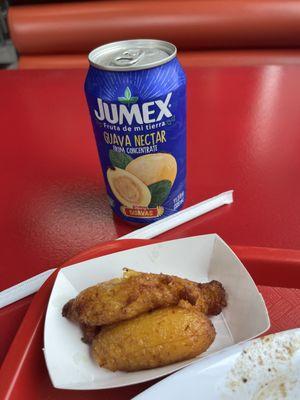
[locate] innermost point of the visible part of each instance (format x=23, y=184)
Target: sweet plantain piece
x=136, y=293
x=153, y=339
x=89, y=332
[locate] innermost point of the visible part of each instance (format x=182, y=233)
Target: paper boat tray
x=200, y=258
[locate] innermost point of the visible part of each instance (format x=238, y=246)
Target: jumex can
x=136, y=93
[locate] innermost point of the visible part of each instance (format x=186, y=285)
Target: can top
x=131, y=55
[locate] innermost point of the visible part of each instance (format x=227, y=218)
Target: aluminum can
x=136, y=94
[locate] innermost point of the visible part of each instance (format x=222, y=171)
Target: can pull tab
x=128, y=57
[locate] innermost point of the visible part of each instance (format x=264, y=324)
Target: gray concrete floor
x=8, y=55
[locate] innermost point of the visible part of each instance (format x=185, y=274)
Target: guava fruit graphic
x=152, y=168
x=128, y=189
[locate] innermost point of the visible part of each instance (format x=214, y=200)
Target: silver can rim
x=95, y=52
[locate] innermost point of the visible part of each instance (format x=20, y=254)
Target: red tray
x=24, y=374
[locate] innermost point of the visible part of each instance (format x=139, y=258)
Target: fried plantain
x=136, y=293
x=89, y=332
x=153, y=339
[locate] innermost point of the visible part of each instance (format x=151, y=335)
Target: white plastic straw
x=181, y=217
x=32, y=285
x=24, y=289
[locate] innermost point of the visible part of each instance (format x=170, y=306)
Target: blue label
x=139, y=120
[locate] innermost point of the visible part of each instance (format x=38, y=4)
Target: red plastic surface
x=203, y=58
x=73, y=27
x=243, y=133
x=24, y=374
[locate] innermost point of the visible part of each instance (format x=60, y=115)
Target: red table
x=243, y=133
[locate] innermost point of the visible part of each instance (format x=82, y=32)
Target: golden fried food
x=89, y=332
x=136, y=293
x=153, y=339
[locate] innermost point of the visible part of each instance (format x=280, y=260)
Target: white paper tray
x=200, y=258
